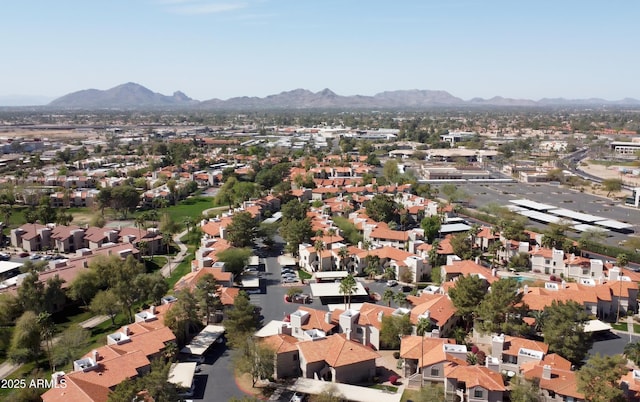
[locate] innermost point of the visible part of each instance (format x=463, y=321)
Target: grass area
x=614, y=163
x=636, y=328
x=304, y=274
x=192, y=207
x=389, y=388
x=410, y=395
x=154, y=263
x=620, y=326
x=183, y=268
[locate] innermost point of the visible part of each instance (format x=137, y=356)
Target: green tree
x=423, y=326
x=400, y=299
x=563, y=330
x=599, y=378
x=391, y=328
x=242, y=230
x=387, y=296
x=182, y=318
x=242, y=320
x=84, y=287
x=107, y=303
x=382, y=208
x=206, y=295
x=632, y=351
x=348, y=286
x=235, y=260
x=501, y=310
x=296, y=232
x=373, y=266
x=462, y=246
x=612, y=185
x=466, y=296
x=124, y=200
x=26, y=340
x=71, y=343
x=31, y=293
x=431, y=226
x=524, y=391
x=151, y=287
x=390, y=171
x=405, y=275
x=255, y=359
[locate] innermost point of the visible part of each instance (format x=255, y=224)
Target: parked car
x=23, y=254
x=5, y=257
x=289, y=280
x=392, y=283
x=298, y=397
x=34, y=257
x=287, y=271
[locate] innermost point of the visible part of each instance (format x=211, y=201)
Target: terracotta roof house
x=364, y=325
x=474, y=383
x=287, y=362
x=556, y=380
x=512, y=352
x=437, y=308
x=337, y=359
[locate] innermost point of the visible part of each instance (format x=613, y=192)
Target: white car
x=392, y=283
x=289, y=280
x=298, y=397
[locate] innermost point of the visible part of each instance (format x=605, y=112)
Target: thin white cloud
x=198, y=8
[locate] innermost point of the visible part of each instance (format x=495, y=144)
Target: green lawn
x=636, y=328
x=192, y=207
x=304, y=274
x=620, y=326
x=154, y=263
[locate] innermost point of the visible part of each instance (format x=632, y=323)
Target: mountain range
x=135, y=96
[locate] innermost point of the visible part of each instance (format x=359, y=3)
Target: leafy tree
x=392, y=327
x=122, y=281
x=155, y=383
x=431, y=226
x=466, y=296
x=10, y=309
x=124, y=199
x=31, y=293
x=54, y=296
x=520, y=262
x=382, y=208
x=242, y=230
x=84, y=287
x=295, y=232
x=25, y=342
x=235, y=260
x=294, y=210
x=348, y=286
x=106, y=302
x=405, y=275
x=70, y=344
x=206, y=295
x=563, y=330
x=256, y=359
x=501, y=310
x=242, y=319
x=462, y=247
x=524, y=391
x=555, y=236
x=612, y=185
x=599, y=378
x=151, y=287
x=622, y=260
x=450, y=191
x=390, y=171
x=182, y=318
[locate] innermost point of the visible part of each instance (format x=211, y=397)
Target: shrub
x=396, y=355
x=474, y=349
x=394, y=379
x=553, y=278
x=481, y=357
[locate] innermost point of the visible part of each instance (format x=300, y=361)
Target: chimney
x=546, y=372
x=56, y=377
x=348, y=333
x=96, y=356
x=125, y=329
x=152, y=309
x=380, y=314
x=327, y=317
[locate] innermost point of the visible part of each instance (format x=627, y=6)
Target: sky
x=225, y=48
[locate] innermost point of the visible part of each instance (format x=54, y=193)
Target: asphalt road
x=501, y=193
x=215, y=381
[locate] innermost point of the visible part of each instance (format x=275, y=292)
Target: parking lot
x=501, y=193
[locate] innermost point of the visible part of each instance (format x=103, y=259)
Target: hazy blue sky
x=220, y=49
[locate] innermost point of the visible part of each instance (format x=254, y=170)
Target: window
x=359, y=331
x=477, y=393
x=435, y=372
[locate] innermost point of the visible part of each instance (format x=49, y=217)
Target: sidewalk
x=173, y=262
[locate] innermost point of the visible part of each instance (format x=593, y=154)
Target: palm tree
x=319, y=248
x=331, y=232
x=400, y=299
x=621, y=261
x=188, y=223
x=424, y=325
x=348, y=287
x=166, y=239
x=343, y=253
x=632, y=352
x=387, y=296
x=539, y=316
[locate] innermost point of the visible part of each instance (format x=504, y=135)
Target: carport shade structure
x=203, y=341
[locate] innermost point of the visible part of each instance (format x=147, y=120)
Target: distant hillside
x=134, y=96
x=125, y=96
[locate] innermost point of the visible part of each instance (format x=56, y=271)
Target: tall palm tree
x=400, y=299
x=343, y=253
x=424, y=325
x=348, y=287
x=621, y=261
x=319, y=248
